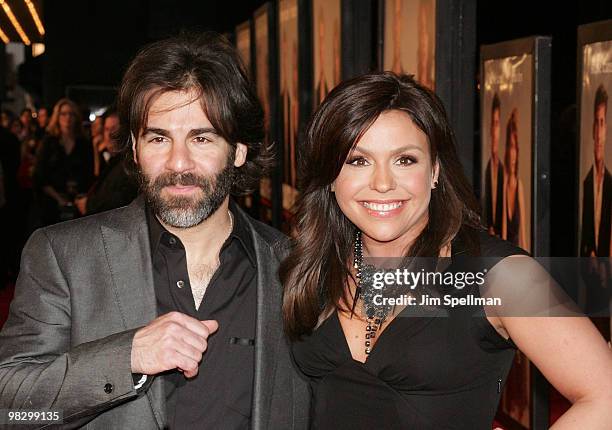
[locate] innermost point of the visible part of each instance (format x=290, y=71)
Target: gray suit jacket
x=84, y=288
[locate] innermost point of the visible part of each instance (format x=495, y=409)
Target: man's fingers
x=212, y=325
x=190, y=351
x=187, y=365
x=189, y=323
x=194, y=340
x=172, y=341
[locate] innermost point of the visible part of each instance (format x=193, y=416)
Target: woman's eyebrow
x=395, y=151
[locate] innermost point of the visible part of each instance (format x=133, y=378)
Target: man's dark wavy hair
x=209, y=65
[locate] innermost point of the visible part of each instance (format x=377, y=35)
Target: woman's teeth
x=382, y=207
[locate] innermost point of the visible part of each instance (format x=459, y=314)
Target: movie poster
x=289, y=98
x=595, y=153
x=262, y=82
x=243, y=43
x=506, y=166
x=410, y=39
x=326, y=47
x=595, y=181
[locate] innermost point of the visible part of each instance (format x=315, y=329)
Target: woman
x=381, y=178
x=513, y=222
x=64, y=165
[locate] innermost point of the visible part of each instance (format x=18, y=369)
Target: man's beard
x=188, y=211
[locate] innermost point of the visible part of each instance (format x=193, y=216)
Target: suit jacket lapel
x=268, y=330
x=126, y=242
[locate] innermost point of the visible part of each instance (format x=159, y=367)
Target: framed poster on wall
x=326, y=43
x=410, y=38
x=265, y=82
x=295, y=91
x=514, y=172
x=435, y=40
x=243, y=43
x=289, y=95
x=242, y=37
x=507, y=147
x=594, y=168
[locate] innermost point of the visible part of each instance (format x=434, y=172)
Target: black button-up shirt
x=219, y=397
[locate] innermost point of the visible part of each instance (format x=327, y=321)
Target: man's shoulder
x=91, y=223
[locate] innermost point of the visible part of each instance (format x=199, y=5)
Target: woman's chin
x=381, y=236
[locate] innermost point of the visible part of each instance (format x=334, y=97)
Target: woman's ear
x=436, y=174
x=332, y=187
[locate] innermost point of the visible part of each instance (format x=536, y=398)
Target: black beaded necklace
x=375, y=314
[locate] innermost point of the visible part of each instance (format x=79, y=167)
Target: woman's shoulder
x=493, y=246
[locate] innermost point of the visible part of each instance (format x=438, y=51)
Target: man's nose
x=180, y=158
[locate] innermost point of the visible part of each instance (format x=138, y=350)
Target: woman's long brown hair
x=315, y=275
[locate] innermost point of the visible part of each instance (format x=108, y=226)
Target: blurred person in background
x=42, y=118
x=16, y=127
x=6, y=116
x=64, y=164
x=114, y=187
x=28, y=125
x=97, y=137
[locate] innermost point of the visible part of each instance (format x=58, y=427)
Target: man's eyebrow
x=166, y=133
x=203, y=130
x=153, y=130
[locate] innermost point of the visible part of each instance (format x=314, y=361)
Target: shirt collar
x=240, y=231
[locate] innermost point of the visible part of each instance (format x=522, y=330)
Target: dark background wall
x=90, y=42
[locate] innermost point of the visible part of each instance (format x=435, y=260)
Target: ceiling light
x=4, y=37
x=11, y=16
x=35, y=17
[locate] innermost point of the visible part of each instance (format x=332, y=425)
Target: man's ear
x=241, y=153
x=134, y=156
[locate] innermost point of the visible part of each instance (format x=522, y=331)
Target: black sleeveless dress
x=439, y=371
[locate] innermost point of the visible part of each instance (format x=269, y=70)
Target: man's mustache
x=183, y=179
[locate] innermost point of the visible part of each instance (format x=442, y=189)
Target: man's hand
x=171, y=341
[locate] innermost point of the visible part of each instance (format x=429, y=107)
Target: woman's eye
x=406, y=161
x=357, y=161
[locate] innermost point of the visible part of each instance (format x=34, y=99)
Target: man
x=597, y=188
x=114, y=187
x=42, y=119
x=84, y=335
x=494, y=176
